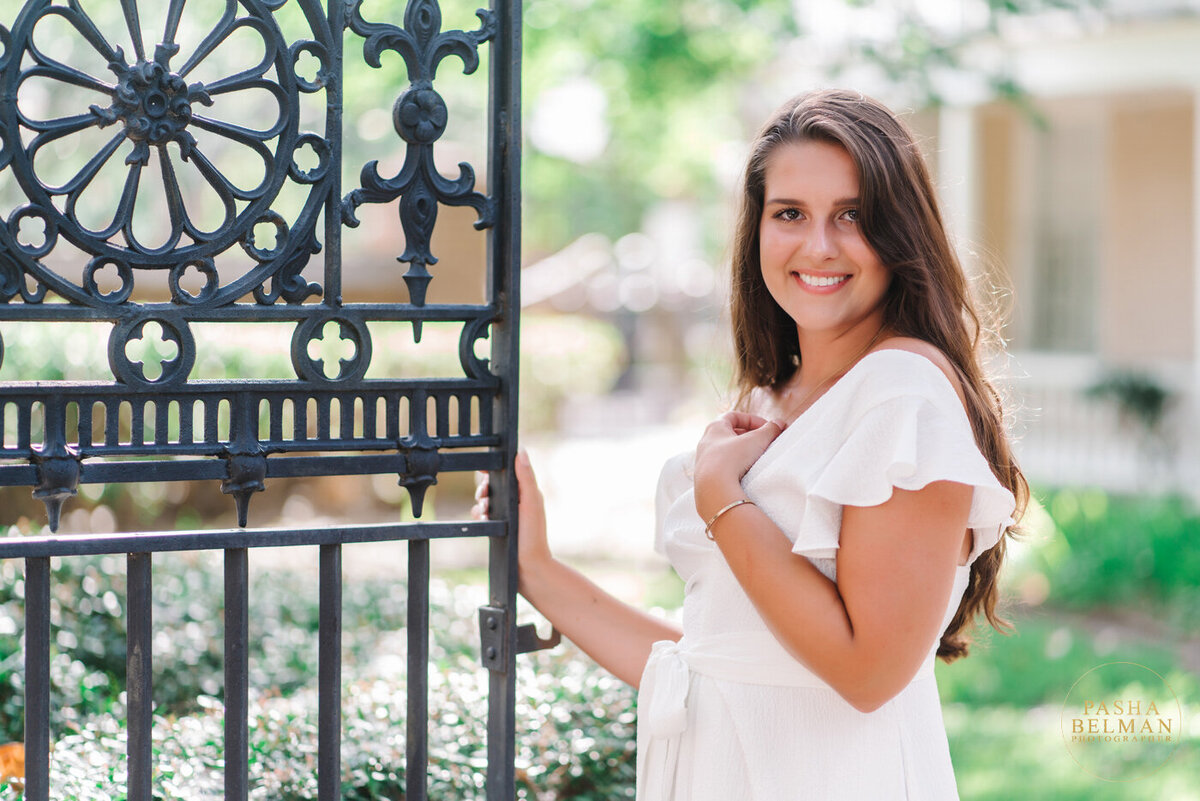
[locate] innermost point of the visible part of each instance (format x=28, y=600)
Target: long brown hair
x=928, y=298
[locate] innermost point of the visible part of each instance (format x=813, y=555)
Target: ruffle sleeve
x=910, y=433
x=674, y=480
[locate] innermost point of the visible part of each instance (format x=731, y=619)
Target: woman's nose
x=820, y=242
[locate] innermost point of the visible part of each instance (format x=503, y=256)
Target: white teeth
x=824, y=280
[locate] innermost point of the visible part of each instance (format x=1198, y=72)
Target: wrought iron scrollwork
x=419, y=116
x=157, y=110
x=143, y=114
x=287, y=282
x=472, y=332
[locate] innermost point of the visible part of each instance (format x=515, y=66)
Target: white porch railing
x=1065, y=438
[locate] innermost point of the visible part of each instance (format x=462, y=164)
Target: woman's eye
x=788, y=214
x=851, y=215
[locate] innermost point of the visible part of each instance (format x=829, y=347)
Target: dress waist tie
x=747, y=657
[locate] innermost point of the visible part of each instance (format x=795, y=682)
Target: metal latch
x=493, y=623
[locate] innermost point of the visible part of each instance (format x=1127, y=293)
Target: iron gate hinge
x=493, y=623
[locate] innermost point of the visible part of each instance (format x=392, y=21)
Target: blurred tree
x=650, y=86
x=627, y=102
x=632, y=101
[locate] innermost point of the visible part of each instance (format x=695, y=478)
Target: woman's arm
x=618, y=636
x=867, y=634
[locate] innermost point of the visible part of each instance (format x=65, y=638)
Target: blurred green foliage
x=575, y=733
x=1139, y=397
x=89, y=627
x=670, y=74
x=1006, y=753
x=1002, y=707
x=1119, y=553
x=682, y=83
x=1038, y=662
x=575, y=723
x=560, y=356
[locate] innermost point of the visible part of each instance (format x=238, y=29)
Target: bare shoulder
x=930, y=352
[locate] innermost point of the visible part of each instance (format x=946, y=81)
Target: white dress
x=727, y=714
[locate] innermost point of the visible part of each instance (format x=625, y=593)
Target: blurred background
x=1065, y=140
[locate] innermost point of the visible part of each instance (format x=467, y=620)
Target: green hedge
x=575, y=733
x=1125, y=553
x=574, y=740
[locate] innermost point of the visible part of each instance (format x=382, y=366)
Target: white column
x=1190, y=450
x=958, y=169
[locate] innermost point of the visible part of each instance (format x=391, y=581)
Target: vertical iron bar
x=418, y=413
x=275, y=415
x=464, y=415
x=83, y=427
x=37, y=679
x=237, y=669
x=416, y=745
x=137, y=422
x=139, y=678
x=187, y=414
x=112, y=422
x=333, y=135
x=392, y=417
x=370, y=415
x=346, y=419
x=300, y=419
x=329, y=693
x=162, y=423
x=486, y=421
x=504, y=244
x=442, y=411
x=24, y=424
x=323, y=403
x=212, y=431
x=329, y=676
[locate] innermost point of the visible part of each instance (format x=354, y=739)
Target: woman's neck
x=832, y=357
x=824, y=355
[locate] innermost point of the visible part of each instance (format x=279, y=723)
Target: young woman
x=846, y=522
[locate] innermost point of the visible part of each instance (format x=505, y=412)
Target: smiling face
x=815, y=261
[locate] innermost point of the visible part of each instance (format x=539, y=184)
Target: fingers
x=769, y=430
x=743, y=422
x=526, y=479
x=480, y=510
x=527, y=486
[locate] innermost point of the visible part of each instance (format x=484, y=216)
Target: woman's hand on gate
x=615, y=634
x=533, y=547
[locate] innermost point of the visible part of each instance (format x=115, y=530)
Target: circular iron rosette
x=171, y=370
x=157, y=152
x=350, y=330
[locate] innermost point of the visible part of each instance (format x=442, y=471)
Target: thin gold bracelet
x=708, y=526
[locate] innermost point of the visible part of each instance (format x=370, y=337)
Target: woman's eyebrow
x=847, y=201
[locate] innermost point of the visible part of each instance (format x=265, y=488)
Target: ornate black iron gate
x=57, y=264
